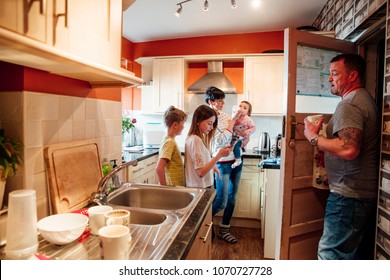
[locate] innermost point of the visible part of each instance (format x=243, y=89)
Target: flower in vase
x=127, y=124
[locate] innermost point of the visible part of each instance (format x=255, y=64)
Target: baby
x=243, y=128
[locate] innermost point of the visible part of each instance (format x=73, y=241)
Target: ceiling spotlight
x=234, y=4
x=255, y=3
x=206, y=6
x=178, y=11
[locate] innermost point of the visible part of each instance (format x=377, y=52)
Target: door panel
x=302, y=205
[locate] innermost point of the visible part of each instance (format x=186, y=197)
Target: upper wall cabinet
x=25, y=17
x=78, y=39
x=90, y=29
x=263, y=84
x=168, y=83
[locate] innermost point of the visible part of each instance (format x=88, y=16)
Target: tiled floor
x=249, y=246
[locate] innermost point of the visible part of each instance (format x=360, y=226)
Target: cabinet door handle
x=210, y=225
x=27, y=4
x=56, y=16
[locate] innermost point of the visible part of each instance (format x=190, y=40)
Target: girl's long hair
x=203, y=112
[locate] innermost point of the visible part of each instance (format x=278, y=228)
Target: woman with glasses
x=228, y=181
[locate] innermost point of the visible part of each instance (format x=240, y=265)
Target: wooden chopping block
x=74, y=171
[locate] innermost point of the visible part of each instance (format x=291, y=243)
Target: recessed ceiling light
x=256, y=3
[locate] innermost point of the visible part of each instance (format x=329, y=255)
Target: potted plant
x=10, y=159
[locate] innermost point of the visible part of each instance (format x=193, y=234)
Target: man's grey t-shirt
x=357, y=178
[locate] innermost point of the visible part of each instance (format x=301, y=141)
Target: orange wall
x=222, y=44
x=249, y=43
x=131, y=97
x=18, y=78
x=233, y=70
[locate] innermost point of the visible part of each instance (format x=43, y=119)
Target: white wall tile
x=34, y=133
x=90, y=109
x=78, y=130
x=65, y=108
x=11, y=106
x=50, y=106
x=45, y=119
x=90, y=129
x=34, y=161
x=79, y=108
x=33, y=107
x=50, y=132
x=65, y=130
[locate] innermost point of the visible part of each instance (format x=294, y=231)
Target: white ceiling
x=150, y=20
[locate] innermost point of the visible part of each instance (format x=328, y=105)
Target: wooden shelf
x=350, y=18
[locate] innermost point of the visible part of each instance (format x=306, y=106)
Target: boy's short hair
x=173, y=115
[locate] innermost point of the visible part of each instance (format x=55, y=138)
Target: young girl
x=170, y=168
x=199, y=166
x=242, y=129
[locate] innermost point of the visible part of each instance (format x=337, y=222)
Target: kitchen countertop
x=269, y=163
x=87, y=246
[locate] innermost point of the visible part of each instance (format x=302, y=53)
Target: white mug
x=114, y=242
x=117, y=217
x=96, y=217
x=315, y=118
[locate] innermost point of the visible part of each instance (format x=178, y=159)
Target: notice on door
x=313, y=71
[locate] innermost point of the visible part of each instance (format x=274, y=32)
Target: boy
x=170, y=167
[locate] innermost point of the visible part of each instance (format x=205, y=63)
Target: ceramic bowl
x=62, y=229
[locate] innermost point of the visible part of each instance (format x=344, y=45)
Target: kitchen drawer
x=250, y=165
x=134, y=172
x=150, y=163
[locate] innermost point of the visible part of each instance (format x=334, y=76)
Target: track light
x=178, y=11
x=206, y=6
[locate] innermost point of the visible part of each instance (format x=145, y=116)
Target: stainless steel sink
x=152, y=197
x=146, y=218
x=157, y=213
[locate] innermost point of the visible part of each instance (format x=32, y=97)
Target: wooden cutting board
x=74, y=171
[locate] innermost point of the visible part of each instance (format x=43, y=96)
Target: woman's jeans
x=349, y=229
x=227, y=187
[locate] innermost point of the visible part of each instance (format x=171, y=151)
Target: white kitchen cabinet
x=263, y=84
x=144, y=172
x=271, y=190
x=77, y=39
x=168, y=84
x=201, y=248
x=248, y=196
x=92, y=29
x=29, y=20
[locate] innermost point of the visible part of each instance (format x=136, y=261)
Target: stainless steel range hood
x=213, y=77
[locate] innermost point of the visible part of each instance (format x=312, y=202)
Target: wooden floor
x=249, y=246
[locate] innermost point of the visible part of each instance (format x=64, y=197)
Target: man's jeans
x=349, y=229
x=227, y=187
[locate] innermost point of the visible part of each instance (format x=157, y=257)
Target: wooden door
x=302, y=206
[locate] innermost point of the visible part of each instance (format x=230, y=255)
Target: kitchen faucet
x=104, y=188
